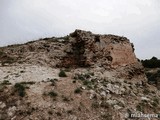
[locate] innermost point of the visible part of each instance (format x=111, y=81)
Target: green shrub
x=104, y=105
x=5, y=82
x=52, y=94
x=78, y=90
x=58, y=114
x=66, y=38
x=53, y=82
x=156, y=100
x=62, y=73
x=146, y=91
x=95, y=104
x=66, y=99
x=20, y=88
x=30, y=82
x=141, y=106
x=2, y=53
x=74, y=81
x=107, y=116
x=2, y=87
x=151, y=63
x=50, y=112
x=70, y=111
x=153, y=78
x=86, y=82
x=83, y=76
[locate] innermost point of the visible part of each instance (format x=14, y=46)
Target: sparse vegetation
x=141, y=106
x=50, y=112
x=20, y=88
x=66, y=99
x=74, y=81
x=77, y=90
x=153, y=78
x=146, y=91
x=22, y=71
x=86, y=79
x=70, y=111
x=52, y=94
x=58, y=114
x=66, y=38
x=106, y=116
x=83, y=76
x=30, y=83
x=155, y=102
x=62, y=73
x=86, y=82
x=104, y=105
x=151, y=63
x=2, y=87
x=53, y=81
x=5, y=82
x=5, y=59
x=95, y=104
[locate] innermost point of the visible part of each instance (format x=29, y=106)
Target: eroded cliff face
x=86, y=49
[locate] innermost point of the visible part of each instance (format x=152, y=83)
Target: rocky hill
x=82, y=76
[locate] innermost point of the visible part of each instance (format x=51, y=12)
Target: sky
x=27, y=20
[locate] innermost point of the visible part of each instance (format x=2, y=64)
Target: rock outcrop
x=85, y=49
x=109, y=51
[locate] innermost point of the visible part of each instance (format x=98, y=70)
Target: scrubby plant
x=86, y=82
x=95, y=104
x=106, y=116
x=5, y=82
x=2, y=87
x=141, y=106
x=22, y=71
x=74, y=81
x=53, y=81
x=70, y=111
x=77, y=90
x=66, y=38
x=79, y=77
x=30, y=82
x=151, y=63
x=153, y=78
x=104, y=105
x=146, y=91
x=2, y=53
x=83, y=76
x=62, y=73
x=20, y=88
x=58, y=114
x=155, y=102
x=52, y=94
x=50, y=112
x=66, y=99
x=6, y=59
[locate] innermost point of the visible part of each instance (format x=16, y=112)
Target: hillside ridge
x=82, y=76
